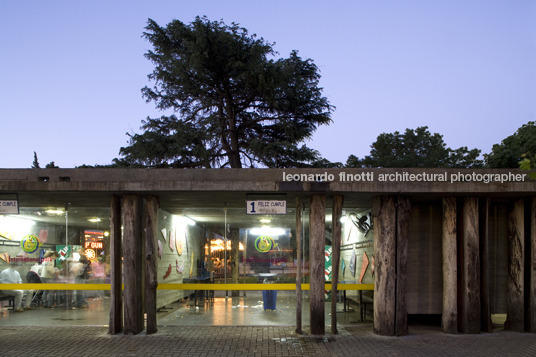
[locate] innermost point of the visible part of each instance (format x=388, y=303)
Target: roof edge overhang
x=372, y=181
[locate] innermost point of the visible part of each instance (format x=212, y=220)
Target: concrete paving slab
x=257, y=341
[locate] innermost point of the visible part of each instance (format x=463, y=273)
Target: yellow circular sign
x=263, y=244
x=30, y=243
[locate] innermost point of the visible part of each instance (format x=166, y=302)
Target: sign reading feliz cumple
x=9, y=207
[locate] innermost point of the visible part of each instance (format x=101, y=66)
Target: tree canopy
x=515, y=148
x=233, y=103
x=415, y=148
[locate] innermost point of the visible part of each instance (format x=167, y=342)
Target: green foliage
x=415, y=148
x=35, y=164
x=234, y=104
x=464, y=158
x=96, y=166
x=527, y=165
x=513, y=149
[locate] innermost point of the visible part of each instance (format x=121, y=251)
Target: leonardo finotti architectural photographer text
x=405, y=176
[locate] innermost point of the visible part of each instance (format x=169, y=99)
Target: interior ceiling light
x=54, y=211
x=16, y=221
x=94, y=220
x=265, y=220
x=267, y=231
x=183, y=220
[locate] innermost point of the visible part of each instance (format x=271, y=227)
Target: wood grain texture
x=403, y=210
x=515, y=312
x=336, y=215
x=235, y=266
x=384, y=215
x=532, y=293
x=470, y=314
x=485, y=300
x=151, y=261
x=316, y=263
x=132, y=264
x=299, y=237
x=449, y=318
x=116, y=293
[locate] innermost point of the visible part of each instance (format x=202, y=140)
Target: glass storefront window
x=234, y=252
x=55, y=244
x=248, y=261
x=229, y=249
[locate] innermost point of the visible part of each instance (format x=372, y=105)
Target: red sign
x=93, y=245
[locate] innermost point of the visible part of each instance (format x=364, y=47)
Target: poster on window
x=328, y=262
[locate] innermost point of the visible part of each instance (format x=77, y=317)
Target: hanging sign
x=9, y=207
x=266, y=207
x=29, y=243
x=264, y=244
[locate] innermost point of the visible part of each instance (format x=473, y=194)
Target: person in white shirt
x=11, y=276
x=48, y=275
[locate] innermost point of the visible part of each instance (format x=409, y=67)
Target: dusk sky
x=71, y=71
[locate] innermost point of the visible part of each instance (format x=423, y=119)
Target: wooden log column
x=151, y=262
x=402, y=231
x=532, y=277
x=116, y=301
x=316, y=263
x=470, y=294
x=133, y=264
x=384, y=215
x=235, y=245
x=515, y=294
x=485, y=300
x=449, y=317
x=299, y=209
x=336, y=214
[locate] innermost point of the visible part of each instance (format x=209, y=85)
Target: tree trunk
x=316, y=263
x=151, y=263
x=233, y=135
x=298, y=266
x=235, y=244
x=335, y=256
x=532, y=267
x=470, y=317
x=402, y=231
x=133, y=264
x=485, y=309
x=384, y=215
x=449, y=318
x=515, y=299
x=116, y=301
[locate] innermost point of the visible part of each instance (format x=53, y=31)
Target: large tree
x=415, y=148
x=515, y=148
x=234, y=104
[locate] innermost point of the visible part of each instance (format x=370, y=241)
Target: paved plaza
x=238, y=327
x=257, y=341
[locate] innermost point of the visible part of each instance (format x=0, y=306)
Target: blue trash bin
x=269, y=298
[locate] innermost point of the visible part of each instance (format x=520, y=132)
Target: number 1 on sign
x=252, y=207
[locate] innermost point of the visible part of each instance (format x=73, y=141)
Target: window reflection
x=63, y=244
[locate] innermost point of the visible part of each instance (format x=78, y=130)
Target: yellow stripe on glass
x=231, y=287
